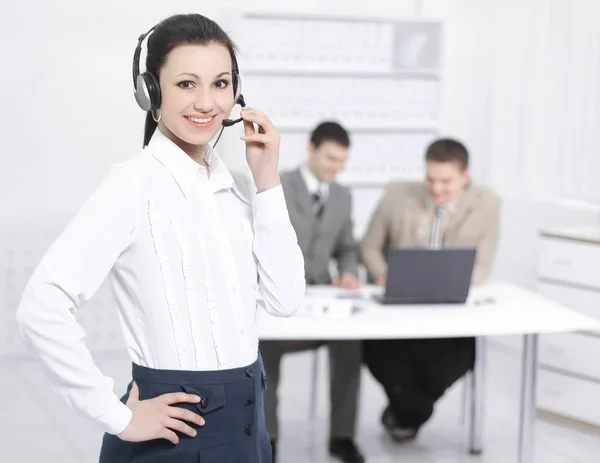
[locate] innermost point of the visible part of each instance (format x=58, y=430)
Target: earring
x=155, y=117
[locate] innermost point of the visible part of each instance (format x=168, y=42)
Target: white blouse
x=189, y=259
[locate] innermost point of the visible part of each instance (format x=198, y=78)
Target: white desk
x=493, y=309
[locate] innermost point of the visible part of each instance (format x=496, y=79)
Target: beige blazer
x=403, y=219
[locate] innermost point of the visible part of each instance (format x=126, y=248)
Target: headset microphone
x=230, y=122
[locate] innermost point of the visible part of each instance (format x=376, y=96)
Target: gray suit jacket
x=325, y=238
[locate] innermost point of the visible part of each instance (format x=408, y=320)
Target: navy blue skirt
x=232, y=406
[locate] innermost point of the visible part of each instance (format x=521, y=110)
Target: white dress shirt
x=314, y=185
x=189, y=258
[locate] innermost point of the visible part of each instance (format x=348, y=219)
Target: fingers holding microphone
x=262, y=148
x=267, y=133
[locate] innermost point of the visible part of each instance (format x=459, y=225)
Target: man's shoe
x=273, y=450
x=346, y=450
x=396, y=432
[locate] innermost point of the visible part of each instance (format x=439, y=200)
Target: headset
x=146, y=88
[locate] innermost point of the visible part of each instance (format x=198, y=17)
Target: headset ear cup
x=147, y=92
x=142, y=94
x=153, y=90
x=237, y=88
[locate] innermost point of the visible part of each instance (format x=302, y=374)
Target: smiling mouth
x=200, y=120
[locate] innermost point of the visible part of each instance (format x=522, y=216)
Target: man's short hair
x=329, y=131
x=448, y=150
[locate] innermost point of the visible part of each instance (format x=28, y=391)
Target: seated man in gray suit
x=320, y=211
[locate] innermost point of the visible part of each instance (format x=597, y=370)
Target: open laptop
x=428, y=276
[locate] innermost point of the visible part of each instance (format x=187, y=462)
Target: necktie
x=317, y=205
x=436, y=239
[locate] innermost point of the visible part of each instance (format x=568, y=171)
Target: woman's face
x=197, y=93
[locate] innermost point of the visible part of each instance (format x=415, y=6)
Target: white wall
x=68, y=111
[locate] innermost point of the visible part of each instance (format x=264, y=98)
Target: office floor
x=36, y=427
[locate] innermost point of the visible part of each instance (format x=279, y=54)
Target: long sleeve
x=346, y=251
x=375, y=239
x=488, y=243
x=280, y=261
x=68, y=275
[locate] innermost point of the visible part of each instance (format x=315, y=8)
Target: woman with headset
x=191, y=250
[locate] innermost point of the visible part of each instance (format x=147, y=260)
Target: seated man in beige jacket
x=445, y=210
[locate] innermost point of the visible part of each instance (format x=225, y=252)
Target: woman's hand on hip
x=262, y=148
x=157, y=419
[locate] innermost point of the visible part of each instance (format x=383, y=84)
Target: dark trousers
x=415, y=373
x=345, y=362
x=235, y=428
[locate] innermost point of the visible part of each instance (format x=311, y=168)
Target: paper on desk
x=326, y=307
x=326, y=301
x=363, y=292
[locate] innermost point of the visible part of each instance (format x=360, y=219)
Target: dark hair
x=448, y=150
x=178, y=30
x=329, y=131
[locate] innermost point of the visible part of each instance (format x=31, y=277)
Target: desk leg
x=476, y=412
x=314, y=384
x=528, y=404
